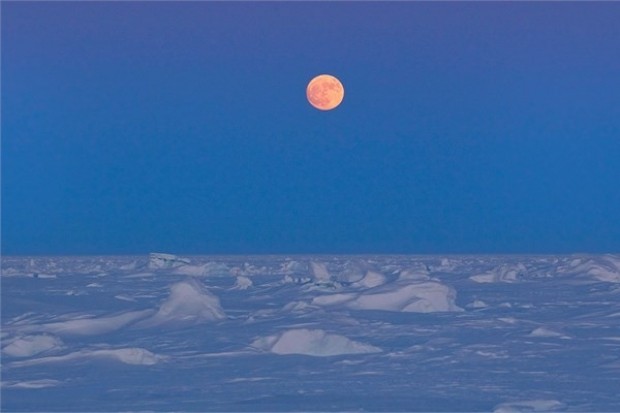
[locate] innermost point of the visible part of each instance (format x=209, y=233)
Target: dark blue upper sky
x=183, y=127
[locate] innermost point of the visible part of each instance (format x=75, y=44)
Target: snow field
x=503, y=334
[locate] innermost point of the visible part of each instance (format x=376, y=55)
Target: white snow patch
x=503, y=273
x=140, y=275
x=293, y=267
x=242, y=283
x=312, y=343
x=296, y=306
x=370, y=280
x=27, y=346
x=32, y=384
x=288, y=279
x=38, y=275
x=133, y=355
x=189, y=303
x=509, y=320
x=446, y=265
x=529, y=406
x=124, y=297
x=477, y=304
x=545, y=332
x=333, y=299
x=92, y=326
x=191, y=270
x=417, y=297
x=319, y=272
x=402, y=296
x=129, y=266
x=352, y=272
x=416, y=272
x=605, y=268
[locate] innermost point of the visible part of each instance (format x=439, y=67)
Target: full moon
x=325, y=92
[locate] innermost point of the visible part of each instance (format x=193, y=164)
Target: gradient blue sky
x=183, y=127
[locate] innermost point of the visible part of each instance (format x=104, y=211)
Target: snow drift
x=504, y=273
x=135, y=356
x=189, y=303
x=27, y=346
x=402, y=296
x=89, y=326
x=529, y=406
x=312, y=343
x=604, y=268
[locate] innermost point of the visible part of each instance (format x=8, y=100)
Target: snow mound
x=92, y=325
x=529, y=406
x=446, y=265
x=353, y=271
x=242, y=283
x=605, y=268
x=503, y=273
x=28, y=346
x=189, y=303
x=319, y=272
x=545, y=332
x=159, y=261
x=293, y=267
x=134, y=356
x=415, y=297
x=334, y=299
x=477, y=304
x=416, y=272
x=400, y=296
x=370, y=280
x=321, y=278
x=312, y=343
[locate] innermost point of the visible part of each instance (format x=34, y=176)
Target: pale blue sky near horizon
x=476, y=127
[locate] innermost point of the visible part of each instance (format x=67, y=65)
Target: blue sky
x=486, y=127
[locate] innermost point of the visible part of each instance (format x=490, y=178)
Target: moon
x=325, y=92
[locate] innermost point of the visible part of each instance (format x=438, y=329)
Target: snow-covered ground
x=329, y=333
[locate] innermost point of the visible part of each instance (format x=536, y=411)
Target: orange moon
x=325, y=92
